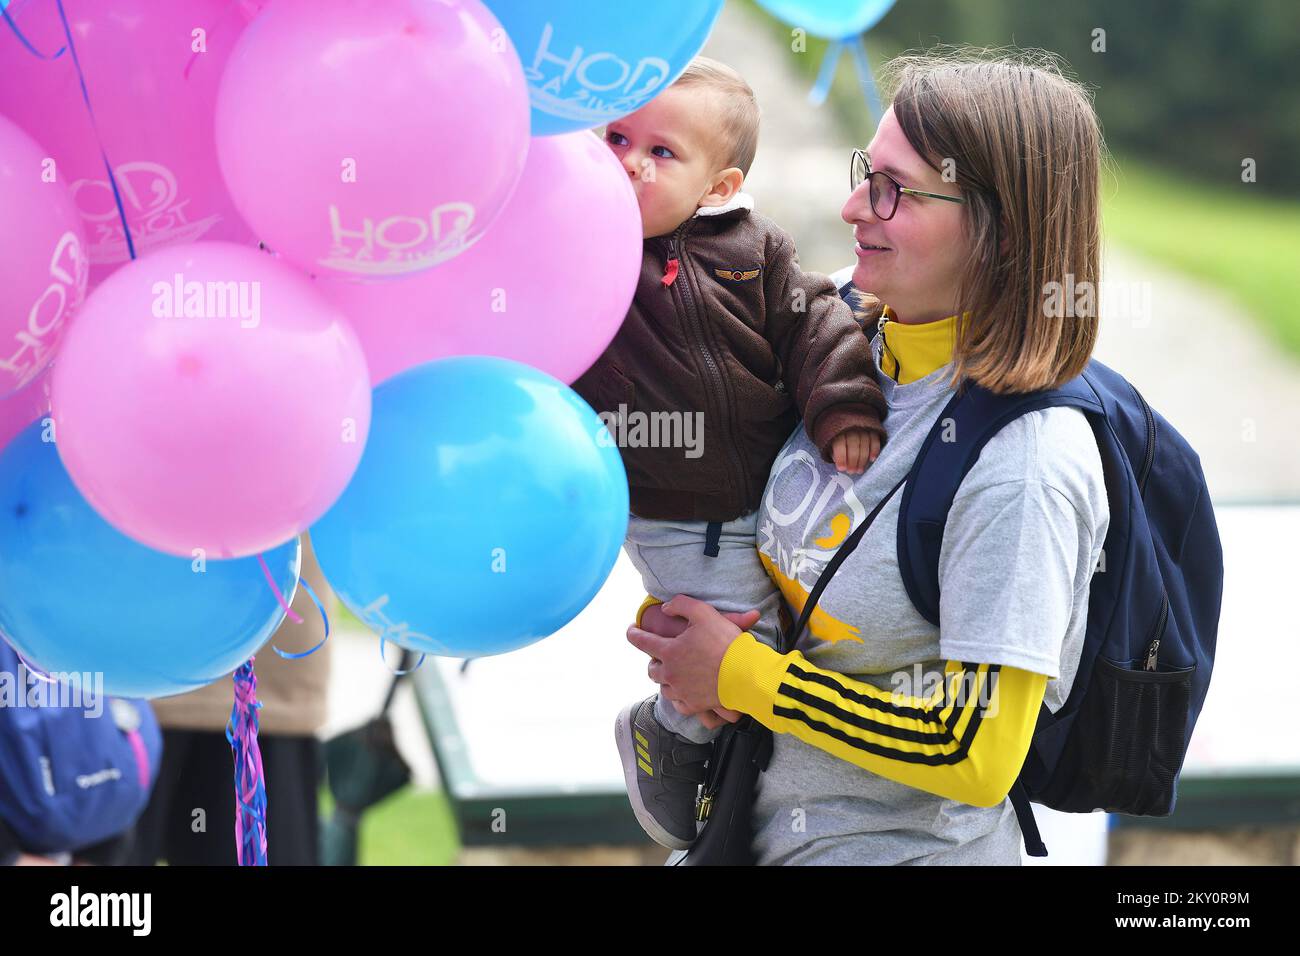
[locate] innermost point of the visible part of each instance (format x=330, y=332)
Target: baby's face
x=669, y=155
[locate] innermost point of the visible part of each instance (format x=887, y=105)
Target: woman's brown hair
x=1021, y=140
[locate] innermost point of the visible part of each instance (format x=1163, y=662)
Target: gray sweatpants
x=720, y=568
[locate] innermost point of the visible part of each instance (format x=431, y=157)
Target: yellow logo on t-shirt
x=802, y=502
x=821, y=625
x=840, y=525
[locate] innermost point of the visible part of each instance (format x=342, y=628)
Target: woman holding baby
x=979, y=188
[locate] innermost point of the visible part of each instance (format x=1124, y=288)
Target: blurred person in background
x=76, y=767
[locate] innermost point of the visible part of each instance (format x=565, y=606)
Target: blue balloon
x=588, y=63
x=832, y=19
x=78, y=596
x=486, y=512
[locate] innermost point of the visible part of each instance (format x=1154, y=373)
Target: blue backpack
x=69, y=780
x=1118, y=742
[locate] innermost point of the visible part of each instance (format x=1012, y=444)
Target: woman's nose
x=857, y=208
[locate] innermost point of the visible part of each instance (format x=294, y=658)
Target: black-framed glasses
x=885, y=189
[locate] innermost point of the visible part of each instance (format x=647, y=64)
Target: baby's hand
x=855, y=449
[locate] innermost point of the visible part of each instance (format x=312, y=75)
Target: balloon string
x=94, y=125
x=4, y=11
x=250, y=784
x=835, y=50
x=826, y=74
x=866, y=79
x=292, y=614
x=323, y=616
x=398, y=673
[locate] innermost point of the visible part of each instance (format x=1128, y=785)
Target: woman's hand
x=686, y=665
x=656, y=621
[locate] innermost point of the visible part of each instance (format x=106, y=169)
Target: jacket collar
x=736, y=207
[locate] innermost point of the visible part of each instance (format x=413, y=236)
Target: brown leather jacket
x=725, y=324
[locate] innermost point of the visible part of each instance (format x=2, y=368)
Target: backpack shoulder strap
x=966, y=424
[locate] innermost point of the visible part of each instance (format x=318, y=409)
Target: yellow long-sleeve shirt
x=965, y=740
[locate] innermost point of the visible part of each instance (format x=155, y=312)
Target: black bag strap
x=1019, y=798
x=1034, y=845
x=833, y=565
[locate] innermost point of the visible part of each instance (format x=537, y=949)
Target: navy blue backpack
x=1118, y=742
x=69, y=780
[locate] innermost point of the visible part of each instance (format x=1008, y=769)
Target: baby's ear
x=729, y=182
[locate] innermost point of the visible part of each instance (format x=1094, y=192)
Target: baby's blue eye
x=666, y=154
x=617, y=139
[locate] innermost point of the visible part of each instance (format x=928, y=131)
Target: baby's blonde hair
x=739, y=117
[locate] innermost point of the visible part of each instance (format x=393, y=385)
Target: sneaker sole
x=627, y=752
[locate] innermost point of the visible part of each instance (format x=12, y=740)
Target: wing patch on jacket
x=736, y=275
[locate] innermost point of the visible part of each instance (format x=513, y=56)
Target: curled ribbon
x=323, y=616
x=250, y=784
x=290, y=612
x=398, y=673
x=294, y=615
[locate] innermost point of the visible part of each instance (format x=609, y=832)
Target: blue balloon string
x=4, y=11
x=99, y=140
x=85, y=95
x=857, y=48
x=866, y=79
x=826, y=73
x=324, y=617
x=398, y=673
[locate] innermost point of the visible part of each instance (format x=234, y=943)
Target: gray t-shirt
x=1023, y=537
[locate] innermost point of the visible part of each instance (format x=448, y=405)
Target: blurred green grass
x=1245, y=242
x=411, y=828
x=346, y=619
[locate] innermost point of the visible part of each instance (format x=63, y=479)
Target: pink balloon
x=372, y=138
x=19, y=410
x=208, y=397
x=153, y=98
x=43, y=265
x=549, y=285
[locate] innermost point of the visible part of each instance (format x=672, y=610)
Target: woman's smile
x=865, y=249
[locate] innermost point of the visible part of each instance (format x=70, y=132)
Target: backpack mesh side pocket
x=1127, y=744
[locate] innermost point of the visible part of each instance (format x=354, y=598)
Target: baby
x=727, y=344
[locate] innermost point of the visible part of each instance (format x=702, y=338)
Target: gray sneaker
x=663, y=773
